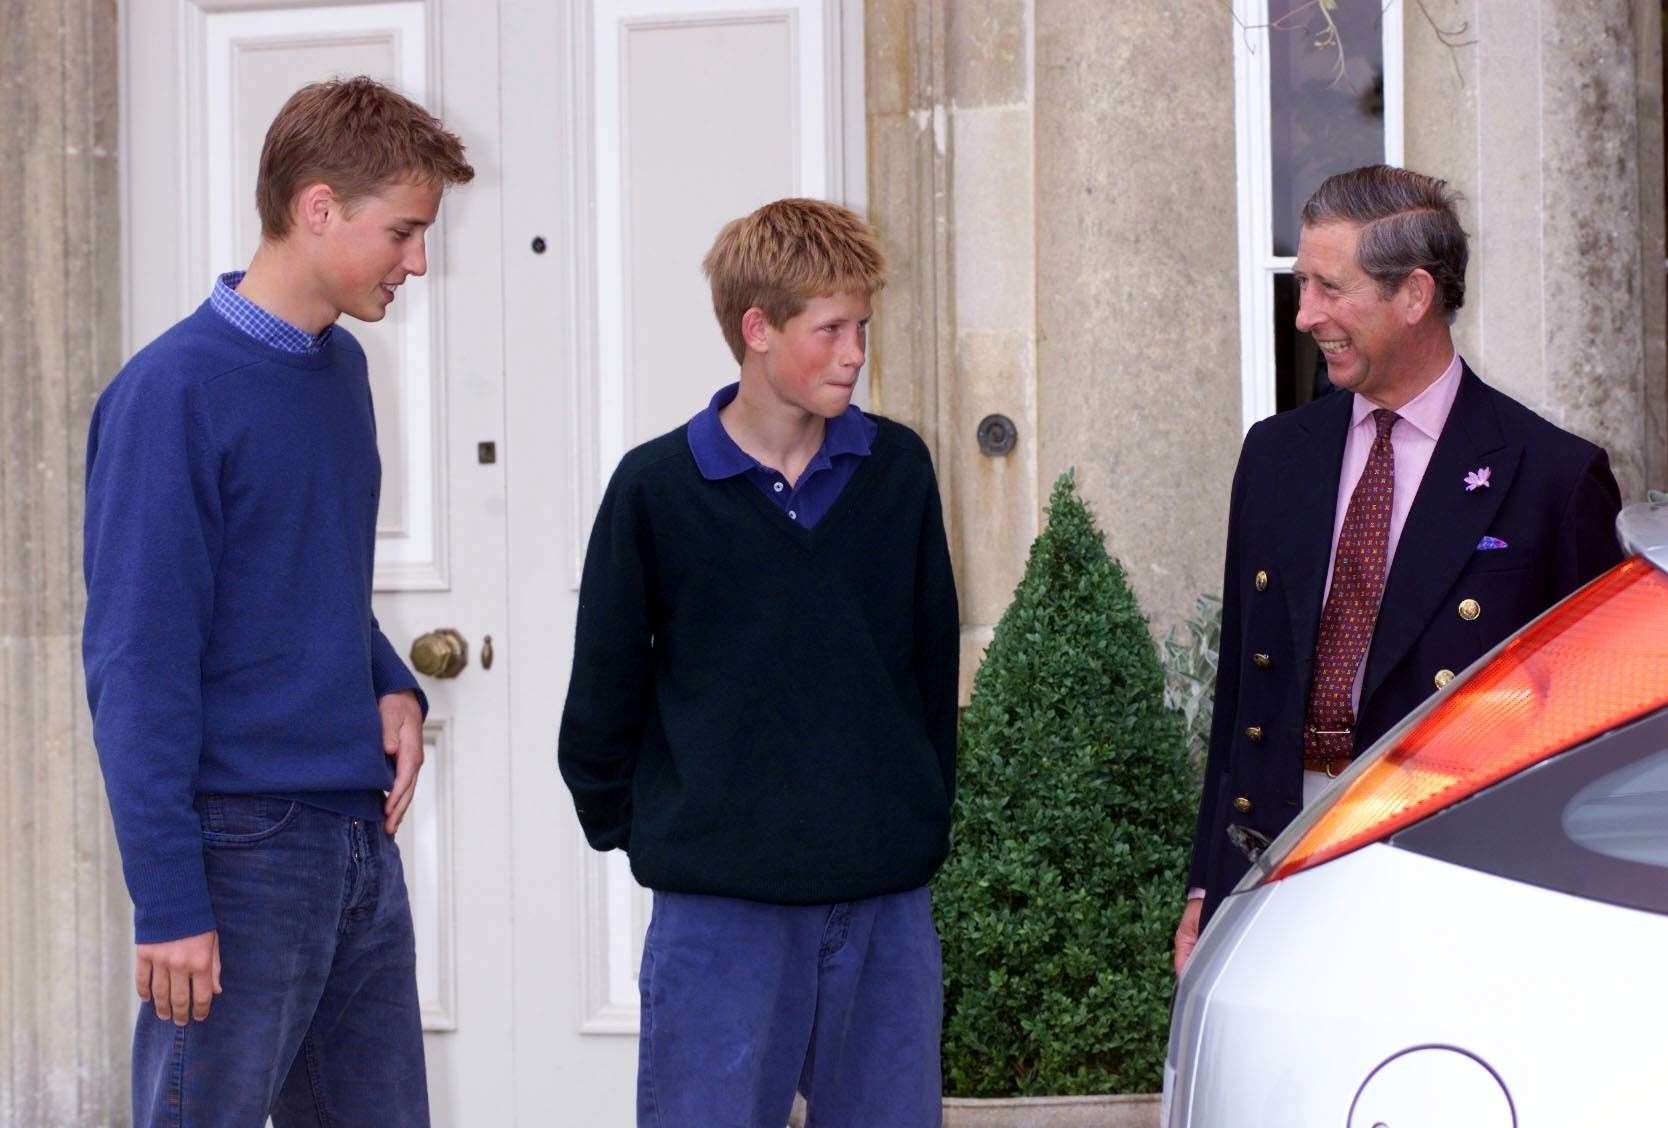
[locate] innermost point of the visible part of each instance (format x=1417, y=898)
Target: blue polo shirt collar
x=717, y=455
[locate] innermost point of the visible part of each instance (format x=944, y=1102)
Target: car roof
x=1643, y=530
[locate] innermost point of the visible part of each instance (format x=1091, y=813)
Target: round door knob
x=440, y=654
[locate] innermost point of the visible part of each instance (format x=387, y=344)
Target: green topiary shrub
x=1074, y=809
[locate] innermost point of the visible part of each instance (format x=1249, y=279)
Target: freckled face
x=812, y=362
x=370, y=248
x=1360, y=332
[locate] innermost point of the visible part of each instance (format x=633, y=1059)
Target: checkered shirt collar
x=258, y=323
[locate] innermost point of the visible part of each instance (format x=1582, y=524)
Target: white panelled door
x=563, y=320
x=633, y=130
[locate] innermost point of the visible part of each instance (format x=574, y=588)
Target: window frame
x=1258, y=265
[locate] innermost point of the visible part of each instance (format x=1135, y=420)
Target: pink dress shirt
x=1412, y=442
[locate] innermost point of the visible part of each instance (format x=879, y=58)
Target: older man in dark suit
x=1381, y=538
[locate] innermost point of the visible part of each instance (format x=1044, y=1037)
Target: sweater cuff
x=187, y=913
x=389, y=674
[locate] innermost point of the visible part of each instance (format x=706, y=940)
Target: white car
x=1470, y=930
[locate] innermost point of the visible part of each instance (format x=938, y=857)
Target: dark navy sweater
x=229, y=643
x=758, y=709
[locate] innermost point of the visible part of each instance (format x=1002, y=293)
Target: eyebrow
x=409, y=222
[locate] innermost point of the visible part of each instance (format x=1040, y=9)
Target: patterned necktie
x=1346, y=625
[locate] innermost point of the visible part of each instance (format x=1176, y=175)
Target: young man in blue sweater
x=763, y=709
x=259, y=736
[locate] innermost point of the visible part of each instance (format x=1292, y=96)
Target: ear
x=755, y=329
x=314, y=206
x=1418, y=295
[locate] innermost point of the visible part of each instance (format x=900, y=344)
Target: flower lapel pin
x=1477, y=480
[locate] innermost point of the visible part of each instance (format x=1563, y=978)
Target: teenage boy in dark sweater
x=763, y=709
x=259, y=736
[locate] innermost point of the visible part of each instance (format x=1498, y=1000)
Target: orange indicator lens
x=1594, y=662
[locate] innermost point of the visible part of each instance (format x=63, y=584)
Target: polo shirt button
x=778, y=487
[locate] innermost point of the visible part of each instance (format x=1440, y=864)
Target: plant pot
x=1120, y=1110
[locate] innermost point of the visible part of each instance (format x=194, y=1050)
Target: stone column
x=1056, y=181
x=950, y=189
x=65, y=931
x=1549, y=118
x=1138, y=285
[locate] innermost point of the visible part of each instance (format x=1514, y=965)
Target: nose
x=416, y=259
x=853, y=353
x=1307, y=315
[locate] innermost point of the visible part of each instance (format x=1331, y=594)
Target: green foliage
x=1073, y=813
x=1190, y=673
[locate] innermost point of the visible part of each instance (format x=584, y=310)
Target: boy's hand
x=402, y=738
x=179, y=977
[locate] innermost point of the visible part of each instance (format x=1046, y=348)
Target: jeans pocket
x=243, y=820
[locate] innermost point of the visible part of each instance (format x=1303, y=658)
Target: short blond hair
x=356, y=135
x=785, y=254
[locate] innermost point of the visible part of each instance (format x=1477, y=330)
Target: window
x=1318, y=91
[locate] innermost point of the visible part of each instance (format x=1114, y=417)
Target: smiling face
x=812, y=361
x=1367, y=338
x=367, y=249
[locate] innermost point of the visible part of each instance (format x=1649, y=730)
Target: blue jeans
x=744, y=1002
x=318, y=1023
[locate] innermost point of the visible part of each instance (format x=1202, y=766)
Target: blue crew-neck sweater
x=229, y=643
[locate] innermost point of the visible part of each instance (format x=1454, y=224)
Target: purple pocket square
x=1488, y=543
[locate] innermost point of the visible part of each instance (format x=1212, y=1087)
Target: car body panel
x=1643, y=531
x=1303, y=988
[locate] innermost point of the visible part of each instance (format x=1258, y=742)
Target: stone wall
x=1139, y=361
x=1550, y=123
x=1025, y=166
x=65, y=951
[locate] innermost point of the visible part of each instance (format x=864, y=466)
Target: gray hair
x=1407, y=222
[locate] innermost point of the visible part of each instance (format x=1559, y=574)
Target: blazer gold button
x=1242, y=805
x=1255, y=734
x=1262, y=581
x=1262, y=661
x=1469, y=609
x=1443, y=677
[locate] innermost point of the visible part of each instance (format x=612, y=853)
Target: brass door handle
x=440, y=654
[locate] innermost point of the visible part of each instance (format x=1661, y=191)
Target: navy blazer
x=1552, y=500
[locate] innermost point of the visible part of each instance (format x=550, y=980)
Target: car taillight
x=1596, y=661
